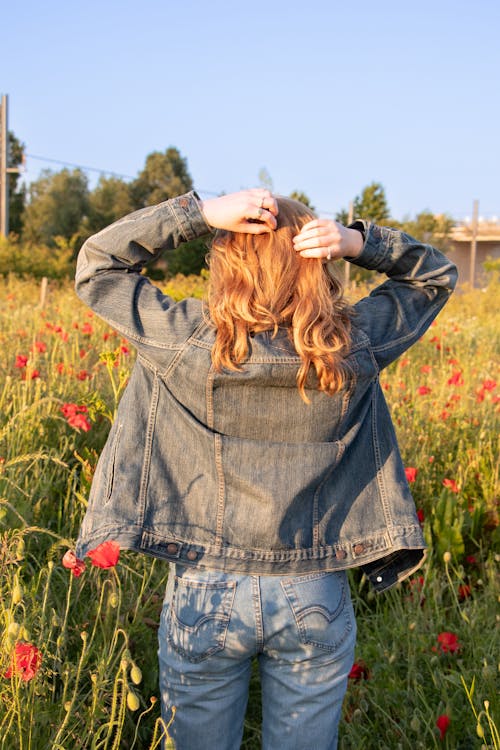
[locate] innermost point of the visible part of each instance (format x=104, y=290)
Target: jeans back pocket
x=198, y=617
x=322, y=608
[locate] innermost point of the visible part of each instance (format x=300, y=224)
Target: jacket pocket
x=198, y=617
x=322, y=608
x=110, y=474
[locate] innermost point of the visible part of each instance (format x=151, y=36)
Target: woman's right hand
x=251, y=211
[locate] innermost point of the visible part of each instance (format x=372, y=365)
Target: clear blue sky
x=326, y=96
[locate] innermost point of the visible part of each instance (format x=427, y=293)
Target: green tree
x=372, y=204
x=17, y=193
x=58, y=203
x=298, y=195
x=165, y=175
x=110, y=200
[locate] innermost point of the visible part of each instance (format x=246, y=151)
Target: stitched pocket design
x=198, y=617
x=322, y=608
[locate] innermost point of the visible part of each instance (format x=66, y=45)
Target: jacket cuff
x=374, y=252
x=189, y=216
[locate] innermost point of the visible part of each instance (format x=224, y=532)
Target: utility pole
x=5, y=170
x=473, y=244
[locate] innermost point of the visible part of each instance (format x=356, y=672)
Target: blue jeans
x=302, y=630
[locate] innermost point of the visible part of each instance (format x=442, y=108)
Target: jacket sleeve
x=108, y=273
x=397, y=313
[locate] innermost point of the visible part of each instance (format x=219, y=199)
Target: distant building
x=487, y=247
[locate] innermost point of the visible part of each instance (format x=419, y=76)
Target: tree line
x=59, y=212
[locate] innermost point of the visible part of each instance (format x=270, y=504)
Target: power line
x=80, y=166
x=127, y=176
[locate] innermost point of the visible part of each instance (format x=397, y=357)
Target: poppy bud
x=132, y=701
x=135, y=674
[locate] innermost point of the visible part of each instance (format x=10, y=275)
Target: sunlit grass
x=96, y=686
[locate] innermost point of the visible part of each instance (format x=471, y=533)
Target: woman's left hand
x=324, y=238
x=251, y=211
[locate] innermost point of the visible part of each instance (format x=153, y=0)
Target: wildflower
x=442, y=723
x=359, y=671
x=40, y=346
x=451, y=485
x=33, y=374
x=421, y=515
x=73, y=563
x=456, y=378
x=124, y=349
x=83, y=375
x=87, y=328
x=489, y=385
x=423, y=390
x=444, y=415
x=448, y=642
x=105, y=555
x=471, y=560
x=426, y=369
x=75, y=416
x=26, y=661
x=411, y=473
x=464, y=591
x=21, y=360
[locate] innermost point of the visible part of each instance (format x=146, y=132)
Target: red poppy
x=451, y=485
x=456, y=378
x=73, y=563
x=471, y=560
x=75, y=415
x=425, y=369
x=442, y=723
x=105, y=555
x=421, y=515
x=87, y=328
x=40, y=346
x=411, y=473
x=124, y=349
x=21, y=360
x=464, y=591
x=359, y=671
x=448, y=642
x=423, y=390
x=26, y=661
x=83, y=375
x=489, y=385
x=444, y=415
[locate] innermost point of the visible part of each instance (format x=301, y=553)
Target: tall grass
x=96, y=686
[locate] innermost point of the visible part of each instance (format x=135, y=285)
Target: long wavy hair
x=258, y=282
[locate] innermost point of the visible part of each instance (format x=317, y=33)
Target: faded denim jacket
x=233, y=471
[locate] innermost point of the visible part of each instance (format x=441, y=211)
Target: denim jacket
x=232, y=470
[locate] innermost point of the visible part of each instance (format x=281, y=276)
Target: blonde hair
x=258, y=282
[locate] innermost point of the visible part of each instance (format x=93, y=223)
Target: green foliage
x=110, y=200
x=57, y=206
x=37, y=261
x=165, y=175
x=372, y=204
x=17, y=193
x=298, y=195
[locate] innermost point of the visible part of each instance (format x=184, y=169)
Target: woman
x=254, y=451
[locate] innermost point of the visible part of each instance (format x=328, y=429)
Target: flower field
x=78, y=654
